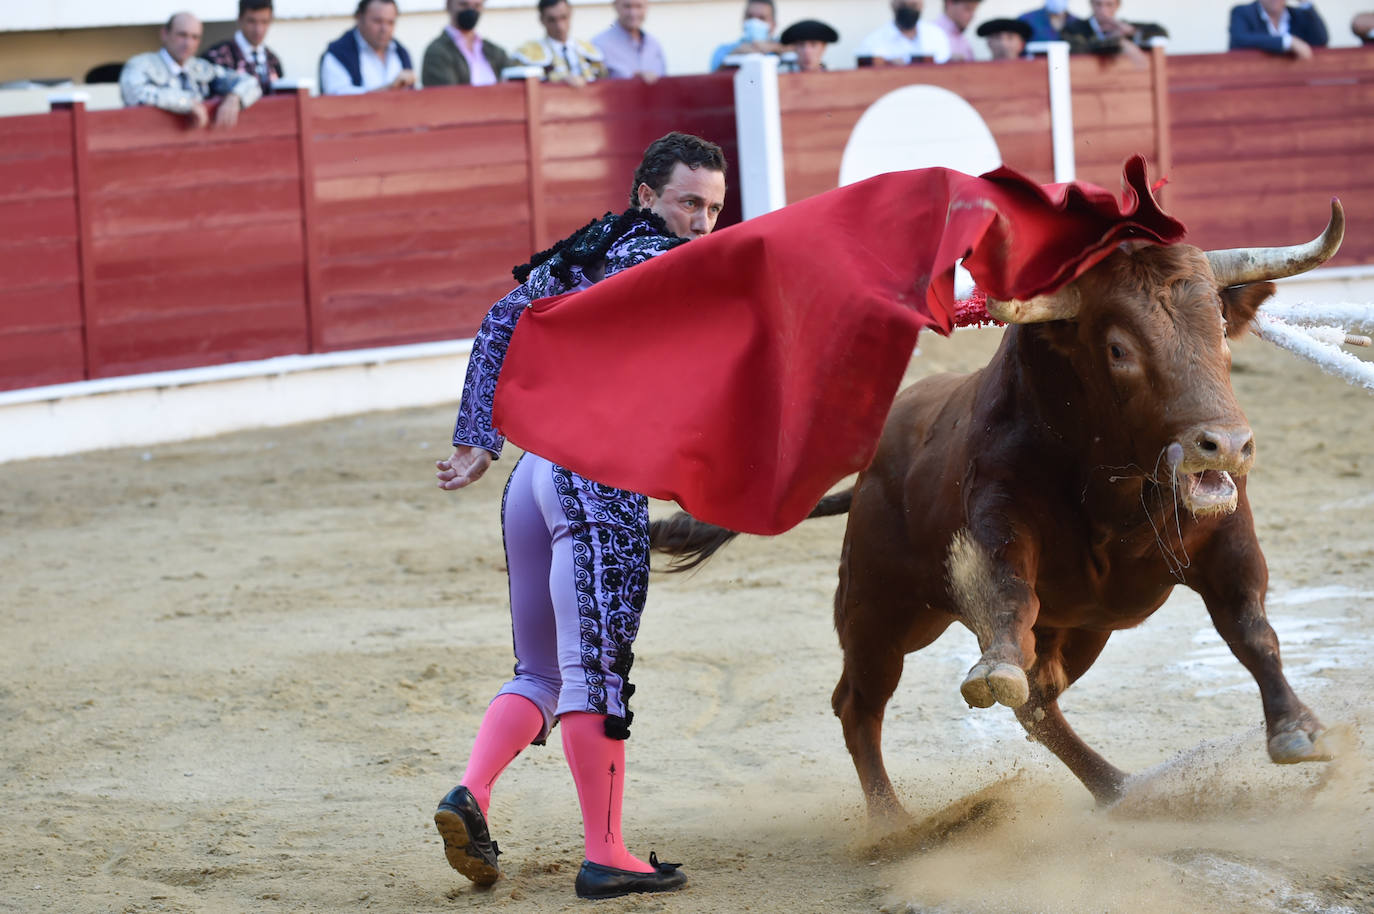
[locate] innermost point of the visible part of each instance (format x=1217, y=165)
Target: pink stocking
x=597, y=763
x=510, y=724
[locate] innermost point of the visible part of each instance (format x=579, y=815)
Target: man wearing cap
x=958, y=14
x=905, y=38
x=808, y=40
x=1006, y=38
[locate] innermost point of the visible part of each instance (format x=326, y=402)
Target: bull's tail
x=691, y=542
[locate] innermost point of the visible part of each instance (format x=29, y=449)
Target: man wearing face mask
x=760, y=19
x=461, y=57
x=1048, y=22
x=905, y=38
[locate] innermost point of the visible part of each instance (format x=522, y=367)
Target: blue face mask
x=1056, y=6
x=755, y=30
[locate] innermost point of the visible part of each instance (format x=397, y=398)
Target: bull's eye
x=1117, y=352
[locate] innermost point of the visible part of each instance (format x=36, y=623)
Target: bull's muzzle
x=1206, y=464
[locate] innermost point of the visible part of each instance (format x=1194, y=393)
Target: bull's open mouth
x=1208, y=492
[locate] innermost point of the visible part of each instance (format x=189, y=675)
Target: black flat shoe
x=597, y=881
x=467, y=843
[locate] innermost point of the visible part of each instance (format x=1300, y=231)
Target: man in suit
x=176, y=80
x=461, y=57
x=1276, y=27
x=247, y=52
x=1105, y=32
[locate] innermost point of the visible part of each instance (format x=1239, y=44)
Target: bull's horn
x=1062, y=305
x=1241, y=265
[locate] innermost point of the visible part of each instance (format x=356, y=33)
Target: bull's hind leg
x=1000, y=609
x=1061, y=657
x=875, y=650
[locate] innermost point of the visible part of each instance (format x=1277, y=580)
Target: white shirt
x=334, y=79
x=175, y=68
x=889, y=43
x=258, y=55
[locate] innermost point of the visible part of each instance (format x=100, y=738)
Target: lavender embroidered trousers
x=578, y=558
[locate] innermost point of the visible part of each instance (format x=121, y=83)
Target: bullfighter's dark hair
x=545, y=4
x=663, y=155
x=363, y=5
x=252, y=6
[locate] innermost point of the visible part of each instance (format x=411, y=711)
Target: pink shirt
x=959, y=46
x=482, y=73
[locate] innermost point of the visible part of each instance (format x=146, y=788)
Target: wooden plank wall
x=1113, y=107
x=819, y=111
x=421, y=206
x=195, y=240
x=40, y=269
x=1261, y=143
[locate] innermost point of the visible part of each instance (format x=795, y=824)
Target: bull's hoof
x=990, y=684
x=1289, y=747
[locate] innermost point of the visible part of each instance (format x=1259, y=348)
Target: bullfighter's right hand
x=465, y=466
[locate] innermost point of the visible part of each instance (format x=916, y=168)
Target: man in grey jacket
x=176, y=80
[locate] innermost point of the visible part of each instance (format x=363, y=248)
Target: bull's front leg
x=1232, y=581
x=1000, y=607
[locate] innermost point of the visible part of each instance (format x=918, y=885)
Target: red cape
x=744, y=374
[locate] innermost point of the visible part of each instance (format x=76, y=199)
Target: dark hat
x=808, y=30
x=994, y=26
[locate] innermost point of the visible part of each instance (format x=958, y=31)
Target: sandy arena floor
x=240, y=672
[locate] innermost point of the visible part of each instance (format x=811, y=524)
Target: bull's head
x=1146, y=331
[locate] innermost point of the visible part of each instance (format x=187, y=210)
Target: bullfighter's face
x=690, y=202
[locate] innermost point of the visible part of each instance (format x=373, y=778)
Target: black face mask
x=907, y=17
x=466, y=19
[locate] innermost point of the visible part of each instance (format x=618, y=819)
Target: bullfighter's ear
x=1239, y=304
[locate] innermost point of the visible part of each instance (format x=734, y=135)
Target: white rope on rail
x=1349, y=316
x=1327, y=355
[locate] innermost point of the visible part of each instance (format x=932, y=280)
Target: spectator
x=176, y=80
x=958, y=14
x=1363, y=27
x=1048, y=22
x=1104, y=33
x=563, y=59
x=461, y=57
x=1007, y=38
x=629, y=50
x=366, y=58
x=808, y=39
x=1276, y=27
x=246, y=52
x=905, y=38
x=760, y=21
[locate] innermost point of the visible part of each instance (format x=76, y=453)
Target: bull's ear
x=1239, y=304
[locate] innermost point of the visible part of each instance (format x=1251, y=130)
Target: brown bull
x=1059, y=495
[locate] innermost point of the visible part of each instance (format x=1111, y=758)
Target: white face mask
x=1056, y=6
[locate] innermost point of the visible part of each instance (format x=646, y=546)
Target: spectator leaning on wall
x=176, y=80
x=366, y=57
x=1276, y=27
x=247, y=52
x=563, y=58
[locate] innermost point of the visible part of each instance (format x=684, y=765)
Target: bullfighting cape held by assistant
x=744, y=374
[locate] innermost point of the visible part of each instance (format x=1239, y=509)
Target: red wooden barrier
x=40, y=262
x=1261, y=143
x=195, y=240
x=129, y=243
